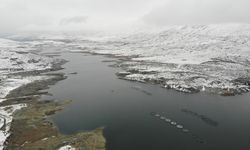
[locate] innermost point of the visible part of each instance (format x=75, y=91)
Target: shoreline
x=28, y=95
x=128, y=74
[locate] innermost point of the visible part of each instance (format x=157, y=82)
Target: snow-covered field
x=214, y=58
x=15, y=57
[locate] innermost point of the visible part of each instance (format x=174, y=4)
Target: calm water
x=125, y=109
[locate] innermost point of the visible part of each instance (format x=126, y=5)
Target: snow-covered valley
x=190, y=59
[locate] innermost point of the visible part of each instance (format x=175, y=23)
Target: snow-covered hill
x=214, y=58
x=15, y=57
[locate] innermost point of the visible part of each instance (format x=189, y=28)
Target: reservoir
x=139, y=116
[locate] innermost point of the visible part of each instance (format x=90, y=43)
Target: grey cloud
x=19, y=15
x=200, y=12
x=74, y=20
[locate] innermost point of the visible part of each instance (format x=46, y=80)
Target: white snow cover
x=13, y=59
x=10, y=84
x=5, y=43
x=5, y=121
x=16, y=57
x=67, y=147
x=196, y=56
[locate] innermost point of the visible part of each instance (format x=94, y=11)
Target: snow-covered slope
x=215, y=58
x=15, y=57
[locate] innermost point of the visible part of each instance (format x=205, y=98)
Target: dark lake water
x=125, y=109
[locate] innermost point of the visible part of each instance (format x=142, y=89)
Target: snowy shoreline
x=16, y=59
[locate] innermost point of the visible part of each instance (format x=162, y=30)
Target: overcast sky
x=21, y=15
